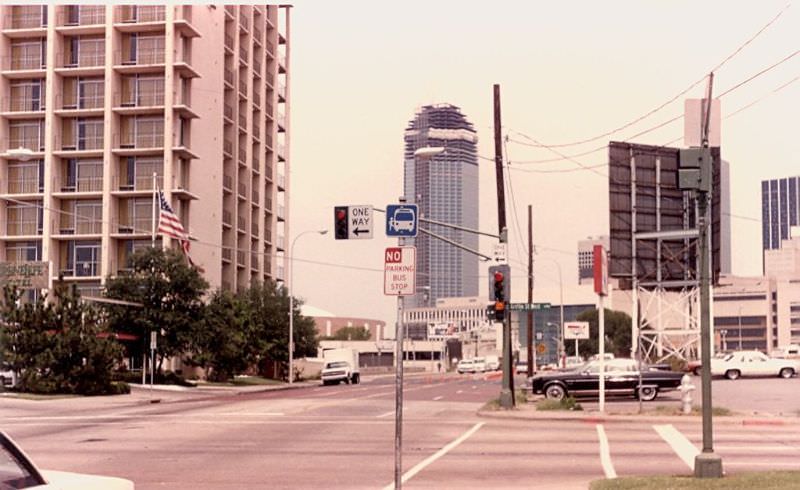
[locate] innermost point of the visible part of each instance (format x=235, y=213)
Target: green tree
x=171, y=293
x=351, y=333
x=617, y=330
x=226, y=342
x=267, y=306
x=56, y=347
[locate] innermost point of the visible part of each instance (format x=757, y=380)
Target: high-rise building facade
x=445, y=187
x=780, y=208
x=100, y=103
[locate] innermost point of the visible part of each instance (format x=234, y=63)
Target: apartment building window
x=143, y=132
x=82, y=258
x=82, y=15
x=143, y=90
x=24, y=219
x=143, y=49
x=83, y=175
x=85, y=51
x=81, y=217
x=143, y=13
x=83, y=134
x=28, y=55
x=26, y=134
x=28, y=16
x=24, y=251
x=26, y=177
x=136, y=215
x=84, y=93
x=137, y=173
x=27, y=95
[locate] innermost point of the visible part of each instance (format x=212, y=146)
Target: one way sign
x=359, y=222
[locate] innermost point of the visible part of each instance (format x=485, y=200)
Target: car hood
x=63, y=480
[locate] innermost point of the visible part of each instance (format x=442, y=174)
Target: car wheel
x=356, y=378
x=555, y=392
x=787, y=373
x=733, y=374
x=648, y=393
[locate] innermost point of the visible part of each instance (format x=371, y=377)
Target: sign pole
x=398, y=401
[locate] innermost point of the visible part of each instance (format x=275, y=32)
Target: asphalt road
x=342, y=437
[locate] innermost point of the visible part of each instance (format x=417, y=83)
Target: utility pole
x=695, y=173
x=531, y=352
x=507, y=391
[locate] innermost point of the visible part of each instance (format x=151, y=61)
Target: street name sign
x=576, y=330
x=400, y=271
x=402, y=220
x=528, y=306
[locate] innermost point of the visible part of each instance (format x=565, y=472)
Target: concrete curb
x=598, y=418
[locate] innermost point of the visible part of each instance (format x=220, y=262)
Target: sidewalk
x=614, y=414
x=219, y=388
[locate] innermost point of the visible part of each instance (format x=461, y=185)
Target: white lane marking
x=437, y=398
x=605, y=453
x=441, y=452
x=253, y=414
x=775, y=464
x=459, y=392
x=754, y=448
x=387, y=414
x=682, y=446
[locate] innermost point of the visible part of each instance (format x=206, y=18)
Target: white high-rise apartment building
x=96, y=99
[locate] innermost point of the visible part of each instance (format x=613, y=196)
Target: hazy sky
x=568, y=71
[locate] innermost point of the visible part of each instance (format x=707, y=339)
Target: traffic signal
x=340, y=222
x=499, y=289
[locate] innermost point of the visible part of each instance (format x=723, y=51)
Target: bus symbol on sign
x=401, y=220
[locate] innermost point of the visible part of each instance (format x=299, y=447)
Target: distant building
x=328, y=324
x=450, y=318
x=445, y=187
x=780, y=208
x=586, y=257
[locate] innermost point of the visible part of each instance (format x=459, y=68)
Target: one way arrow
x=359, y=231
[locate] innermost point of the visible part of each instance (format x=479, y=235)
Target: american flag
x=170, y=225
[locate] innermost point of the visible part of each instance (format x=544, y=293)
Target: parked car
x=478, y=365
x=521, y=367
x=574, y=361
x=18, y=471
x=753, y=363
x=696, y=366
x=465, y=366
x=492, y=363
x=8, y=378
x=621, y=378
x=791, y=351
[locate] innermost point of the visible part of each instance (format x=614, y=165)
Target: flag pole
x=155, y=206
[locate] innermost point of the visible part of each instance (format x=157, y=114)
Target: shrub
x=567, y=403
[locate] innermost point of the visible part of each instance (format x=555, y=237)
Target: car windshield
x=338, y=364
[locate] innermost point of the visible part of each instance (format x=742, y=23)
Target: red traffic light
x=498, y=276
x=341, y=214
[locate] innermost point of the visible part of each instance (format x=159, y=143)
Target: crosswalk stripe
x=605, y=453
x=682, y=446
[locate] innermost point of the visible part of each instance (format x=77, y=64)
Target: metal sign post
x=400, y=273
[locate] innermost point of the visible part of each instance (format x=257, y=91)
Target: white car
x=753, y=363
x=465, y=366
x=479, y=365
x=18, y=471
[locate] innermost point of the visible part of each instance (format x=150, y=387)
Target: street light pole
x=291, y=300
x=562, y=354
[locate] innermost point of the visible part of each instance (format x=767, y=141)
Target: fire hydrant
x=686, y=388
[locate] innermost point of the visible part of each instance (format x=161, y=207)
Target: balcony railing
x=268, y=204
x=256, y=195
x=256, y=66
x=146, y=140
x=254, y=228
x=228, y=111
x=243, y=54
x=28, y=20
x=227, y=218
x=33, y=144
x=242, y=190
x=229, y=42
x=281, y=90
x=82, y=60
x=24, y=186
x=23, y=228
x=244, y=22
x=149, y=98
x=83, y=15
x=141, y=182
x=270, y=48
x=230, y=10
x=227, y=182
x=242, y=156
x=243, y=87
x=72, y=226
x=72, y=101
x=86, y=143
x=241, y=223
x=257, y=34
x=254, y=258
x=256, y=161
x=143, y=13
x=24, y=104
x=229, y=76
x=227, y=147
x=227, y=252
x=242, y=121
x=241, y=255
x=85, y=184
x=33, y=62
x=135, y=224
x=256, y=130
x=142, y=57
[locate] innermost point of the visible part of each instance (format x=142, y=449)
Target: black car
x=621, y=378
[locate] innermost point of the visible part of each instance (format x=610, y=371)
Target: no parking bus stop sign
x=400, y=271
